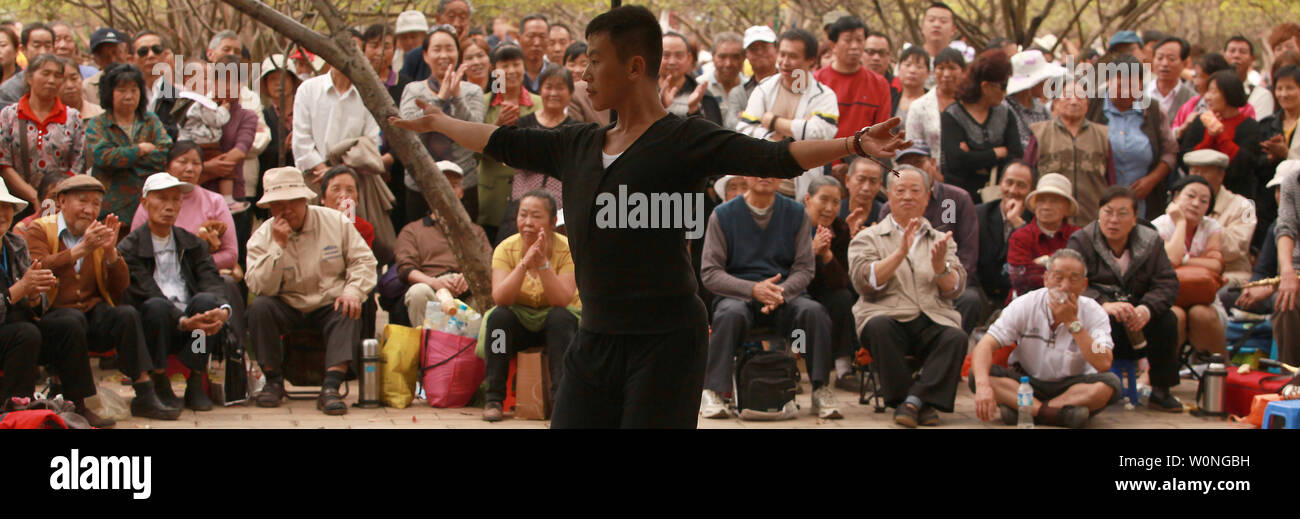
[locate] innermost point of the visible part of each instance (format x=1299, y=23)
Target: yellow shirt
x=510, y=252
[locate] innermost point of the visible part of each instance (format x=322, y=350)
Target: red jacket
x=1027, y=244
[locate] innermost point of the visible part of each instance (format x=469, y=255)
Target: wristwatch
x=1076, y=327
x=545, y=266
x=947, y=268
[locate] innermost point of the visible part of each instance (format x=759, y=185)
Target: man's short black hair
x=1118, y=191
x=949, y=55
x=846, y=24
x=506, y=53
x=1238, y=37
x=633, y=31
x=800, y=35
x=37, y=26
x=915, y=52
x=335, y=171
x=1033, y=171
x=877, y=34
x=535, y=16
x=1184, y=48
x=377, y=30
x=576, y=50
x=940, y=5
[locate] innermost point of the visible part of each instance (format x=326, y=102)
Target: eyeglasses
x=144, y=51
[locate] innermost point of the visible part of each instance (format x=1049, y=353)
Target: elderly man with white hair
x=908, y=274
x=309, y=267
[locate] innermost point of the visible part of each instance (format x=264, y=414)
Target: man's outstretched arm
x=878, y=141
x=470, y=135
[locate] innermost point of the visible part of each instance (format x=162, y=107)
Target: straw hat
x=1055, y=184
x=283, y=184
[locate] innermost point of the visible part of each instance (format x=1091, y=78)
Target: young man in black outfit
x=638, y=360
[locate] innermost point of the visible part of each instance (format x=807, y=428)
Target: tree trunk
x=341, y=54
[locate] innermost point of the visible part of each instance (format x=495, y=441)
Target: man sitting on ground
x=758, y=261
x=1063, y=345
x=309, y=267
x=908, y=275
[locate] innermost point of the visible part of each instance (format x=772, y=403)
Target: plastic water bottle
x=472, y=324
x=1025, y=399
x=434, y=319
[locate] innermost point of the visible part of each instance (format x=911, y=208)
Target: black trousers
x=733, y=318
x=839, y=304
x=1228, y=295
x=162, y=337
x=1161, y=351
x=970, y=304
x=634, y=381
x=561, y=325
x=20, y=348
x=269, y=317
x=69, y=335
x=940, y=348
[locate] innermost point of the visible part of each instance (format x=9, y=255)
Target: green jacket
x=493, y=176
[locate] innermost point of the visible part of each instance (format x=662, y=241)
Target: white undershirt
x=608, y=159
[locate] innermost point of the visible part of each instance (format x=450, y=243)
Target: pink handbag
x=449, y=370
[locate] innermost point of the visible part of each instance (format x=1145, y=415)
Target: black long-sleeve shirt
x=970, y=170
x=636, y=281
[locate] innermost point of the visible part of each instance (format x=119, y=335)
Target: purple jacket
x=238, y=133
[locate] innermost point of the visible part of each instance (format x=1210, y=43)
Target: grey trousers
x=270, y=317
x=733, y=318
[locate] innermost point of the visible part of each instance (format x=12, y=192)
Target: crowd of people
x=1079, y=227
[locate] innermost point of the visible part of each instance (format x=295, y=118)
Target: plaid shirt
x=120, y=165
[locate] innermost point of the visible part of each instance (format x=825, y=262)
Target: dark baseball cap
x=106, y=35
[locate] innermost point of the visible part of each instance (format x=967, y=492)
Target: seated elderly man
x=309, y=267
x=907, y=274
x=176, y=288
x=1048, y=232
x=1136, y=285
x=1063, y=345
x=424, y=258
x=860, y=209
x=758, y=261
x=997, y=220
x=83, y=313
x=950, y=209
x=1235, y=213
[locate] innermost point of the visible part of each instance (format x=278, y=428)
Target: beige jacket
x=325, y=260
x=1236, y=214
x=912, y=291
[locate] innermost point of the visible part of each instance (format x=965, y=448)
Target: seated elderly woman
x=830, y=285
x=24, y=285
x=1192, y=239
x=1030, y=246
x=536, y=295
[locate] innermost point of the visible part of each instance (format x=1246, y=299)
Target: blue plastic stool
x=1287, y=410
x=1126, y=368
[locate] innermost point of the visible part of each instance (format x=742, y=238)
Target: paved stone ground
x=299, y=414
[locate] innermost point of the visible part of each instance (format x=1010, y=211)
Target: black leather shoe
x=163, y=387
x=329, y=402
x=271, y=395
x=1163, y=400
x=195, y=397
x=147, y=405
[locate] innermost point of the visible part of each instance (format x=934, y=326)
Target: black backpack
x=765, y=381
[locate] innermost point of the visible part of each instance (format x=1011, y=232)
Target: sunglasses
x=144, y=51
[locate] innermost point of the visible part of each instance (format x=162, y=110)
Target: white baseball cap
x=411, y=21
x=1285, y=170
x=161, y=181
x=447, y=165
x=759, y=33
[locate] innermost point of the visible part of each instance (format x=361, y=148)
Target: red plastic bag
x=449, y=369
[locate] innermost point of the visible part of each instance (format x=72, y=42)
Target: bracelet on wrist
x=857, y=141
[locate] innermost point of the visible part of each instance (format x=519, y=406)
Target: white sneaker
x=712, y=405
x=823, y=404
